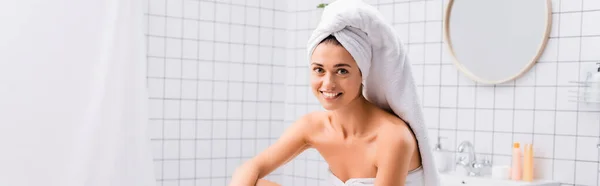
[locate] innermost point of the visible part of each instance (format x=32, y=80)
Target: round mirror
x=494, y=41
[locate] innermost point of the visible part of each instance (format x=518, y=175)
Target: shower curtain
x=73, y=94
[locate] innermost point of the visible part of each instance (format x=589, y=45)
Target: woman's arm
x=263, y=182
x=291, y=143
x=394, y=153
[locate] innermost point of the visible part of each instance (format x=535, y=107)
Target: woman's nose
x=328, y=81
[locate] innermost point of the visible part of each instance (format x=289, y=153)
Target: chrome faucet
x=472, y=165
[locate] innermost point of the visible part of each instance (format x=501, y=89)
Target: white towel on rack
x=381, y=57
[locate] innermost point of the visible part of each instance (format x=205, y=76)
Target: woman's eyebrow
x=341, y=65
x=336, y=65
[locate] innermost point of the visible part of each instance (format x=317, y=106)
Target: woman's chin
x=329, y=105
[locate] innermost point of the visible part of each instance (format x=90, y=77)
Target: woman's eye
x=318, y=70
x=342, y=71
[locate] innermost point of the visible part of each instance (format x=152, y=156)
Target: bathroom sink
x=449, y=179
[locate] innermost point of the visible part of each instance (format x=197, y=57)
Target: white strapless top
x=414, y=178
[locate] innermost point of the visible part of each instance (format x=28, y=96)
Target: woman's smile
x=330, y=96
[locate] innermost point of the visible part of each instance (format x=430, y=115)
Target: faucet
x=470, y=163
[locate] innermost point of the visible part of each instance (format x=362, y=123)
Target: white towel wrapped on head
x=386, y=72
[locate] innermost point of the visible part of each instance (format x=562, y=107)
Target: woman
x=355, y=137
x=372, y=132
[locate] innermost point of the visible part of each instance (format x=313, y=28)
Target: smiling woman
x=361, y=142
x=335, y=78
x=360, y=75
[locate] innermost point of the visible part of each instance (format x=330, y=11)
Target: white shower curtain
x=73, y=94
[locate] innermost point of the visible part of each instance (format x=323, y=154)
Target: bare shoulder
x=397, y=151
x=395, y=133
x=312, y=120
x=309, y=123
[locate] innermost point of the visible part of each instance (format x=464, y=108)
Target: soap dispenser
x=440, y=156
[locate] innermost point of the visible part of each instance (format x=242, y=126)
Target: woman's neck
x=353, y=119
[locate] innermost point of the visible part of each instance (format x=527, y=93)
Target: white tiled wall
x=216, y=81
x=227, y=76
x=532, y=109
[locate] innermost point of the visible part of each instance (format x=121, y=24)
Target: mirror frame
x=530, y=63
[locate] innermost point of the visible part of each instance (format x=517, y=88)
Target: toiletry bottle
x=440, y=156
x=528, y=162
x=515, y=170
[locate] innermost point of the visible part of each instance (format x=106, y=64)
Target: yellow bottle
x=516, y=169
x=528, y=162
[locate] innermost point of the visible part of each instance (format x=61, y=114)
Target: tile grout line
x=197, y=98
x=457, y=90
x=243, y=74
x=293, y=162
x=256, y=142
x=147, y=73
x=555, y=98
x=180, y=99
x=460, y=130
x=228, y=122
x=578, y=105
x=212, y=123
x=220, y=42
x=318, y=160
x=163, y=93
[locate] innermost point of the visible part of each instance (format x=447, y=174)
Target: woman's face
x=335, y=77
